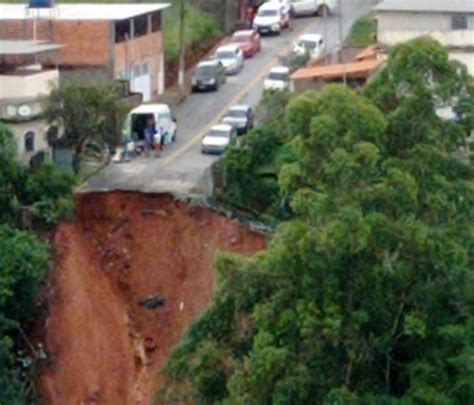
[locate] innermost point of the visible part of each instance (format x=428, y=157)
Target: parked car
x=312, y=7
x=286, y=4
x=231, y=57
x=310, y=44
x=278, y=79
x=249, y=42
x=240, y=117
x=218, y=139
x=271, y=18
x=209, y=74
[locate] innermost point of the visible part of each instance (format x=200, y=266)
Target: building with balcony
x=102, y=42
x=450, y=22
x=25, y=83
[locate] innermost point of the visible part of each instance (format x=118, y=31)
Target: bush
x=363, y=32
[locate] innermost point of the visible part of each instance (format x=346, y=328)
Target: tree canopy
x=92, y=116
x=365, y=295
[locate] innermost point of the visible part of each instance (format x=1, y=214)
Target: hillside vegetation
x=365, y=294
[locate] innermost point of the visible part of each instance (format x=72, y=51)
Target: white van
x=160, y=113
x=133, y=131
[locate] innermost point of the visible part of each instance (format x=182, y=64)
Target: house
x=451, y=22
x=102, y=42
x=25, y=83
x=354, y=72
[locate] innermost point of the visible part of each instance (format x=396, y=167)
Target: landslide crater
x=106, y=346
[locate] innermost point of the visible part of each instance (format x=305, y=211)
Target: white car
x=310, y=44
x=218, y=139
x=278, y=79
x=232, y=57
x=271, y=18
x=310, y=7
x=286, y=4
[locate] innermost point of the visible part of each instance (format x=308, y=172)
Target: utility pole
x=341, y=35
x=182, y=48
x=341, y=31
x=325, y=24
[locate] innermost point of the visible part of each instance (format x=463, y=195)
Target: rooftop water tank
x=40, y=3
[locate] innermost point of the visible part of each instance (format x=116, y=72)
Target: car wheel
x=173, y=139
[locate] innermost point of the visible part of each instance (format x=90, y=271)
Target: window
x=156, y=22
x=29, y=141
x=459, y=22
x=122, y=30
x=141, y=25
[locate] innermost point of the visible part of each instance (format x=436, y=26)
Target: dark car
x=209, y=75
x=240, y=117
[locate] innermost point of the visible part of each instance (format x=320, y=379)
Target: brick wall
x=87, y=42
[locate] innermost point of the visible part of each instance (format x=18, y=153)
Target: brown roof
x=355, y=70
x=371, y=52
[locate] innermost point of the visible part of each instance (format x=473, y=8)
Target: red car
x=249, y=42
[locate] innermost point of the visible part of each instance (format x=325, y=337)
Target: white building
x=451, y=22
x=24, y=86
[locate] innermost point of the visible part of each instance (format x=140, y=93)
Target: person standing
x=150, y=135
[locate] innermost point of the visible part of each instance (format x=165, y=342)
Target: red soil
x=105, y=347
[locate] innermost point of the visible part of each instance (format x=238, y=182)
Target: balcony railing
x=27, y=83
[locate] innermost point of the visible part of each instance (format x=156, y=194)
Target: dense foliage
x=365, y=296
x=92, y=117
x=47, y=196
x=250, y=169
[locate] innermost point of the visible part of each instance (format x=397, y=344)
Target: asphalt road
x=183, y=170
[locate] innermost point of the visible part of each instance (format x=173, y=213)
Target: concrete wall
x=145, y=49
x=396, y=27
x=32, y=84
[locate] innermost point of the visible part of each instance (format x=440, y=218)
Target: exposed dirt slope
x=107, y=348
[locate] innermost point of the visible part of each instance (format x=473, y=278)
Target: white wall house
x=451, y=22
x=24, y=86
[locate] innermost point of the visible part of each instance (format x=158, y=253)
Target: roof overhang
x=24, y=47
x=81, y=11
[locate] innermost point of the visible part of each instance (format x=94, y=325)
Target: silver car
x=231, y=57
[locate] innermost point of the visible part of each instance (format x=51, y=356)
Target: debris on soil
x=105, y=348
x=153, y=302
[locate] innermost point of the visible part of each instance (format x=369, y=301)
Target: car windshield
x=278, y=76
x=205, y=70
x=218, y=133
x=237, y=113
x=241, y=38
x=307, y=44
x=226, y=55
x=267, y=13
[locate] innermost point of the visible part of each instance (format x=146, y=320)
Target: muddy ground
x=105, y=347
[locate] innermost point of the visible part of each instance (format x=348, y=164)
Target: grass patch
x=362, y=33
x=201, y=30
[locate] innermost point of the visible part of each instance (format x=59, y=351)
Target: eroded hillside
x=105, y=345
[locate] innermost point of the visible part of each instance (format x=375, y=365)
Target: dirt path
x=106, y=347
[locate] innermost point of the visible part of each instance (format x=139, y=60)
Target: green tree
x=24, y=258
x=91, y=117
x=366, y=294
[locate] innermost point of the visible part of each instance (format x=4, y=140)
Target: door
x=141, y=81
